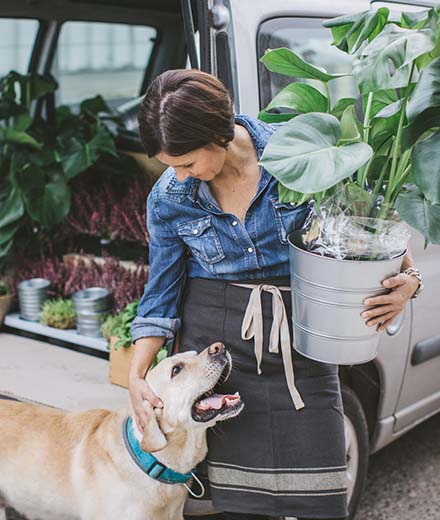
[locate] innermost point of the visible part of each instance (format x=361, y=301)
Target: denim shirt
x=190, y=234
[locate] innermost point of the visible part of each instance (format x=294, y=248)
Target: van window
x=102, y=58
x=16, y=43
x=307, y=38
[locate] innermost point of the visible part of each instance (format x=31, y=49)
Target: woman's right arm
x=145, y=352
x=157, y=321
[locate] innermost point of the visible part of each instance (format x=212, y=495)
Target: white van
x=115, y=48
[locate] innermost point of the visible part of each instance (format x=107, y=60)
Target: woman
x=218, y=245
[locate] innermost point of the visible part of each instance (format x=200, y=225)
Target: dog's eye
x=176, y=369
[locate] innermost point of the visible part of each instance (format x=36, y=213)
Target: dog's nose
x=216, y=348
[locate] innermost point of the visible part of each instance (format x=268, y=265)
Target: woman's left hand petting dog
x=76, y=465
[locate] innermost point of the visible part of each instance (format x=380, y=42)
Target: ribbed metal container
x=91, y=306
x=31, y=295
x=327, y=296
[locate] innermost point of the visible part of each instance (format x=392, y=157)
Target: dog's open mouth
x=210, y=404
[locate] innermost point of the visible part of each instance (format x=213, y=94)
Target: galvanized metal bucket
x=327, y=296
x=91, y=306
x=31, y=295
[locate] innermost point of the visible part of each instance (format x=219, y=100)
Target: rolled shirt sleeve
x=158, y=309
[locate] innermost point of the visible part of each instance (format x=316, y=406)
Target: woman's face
x=203, y=163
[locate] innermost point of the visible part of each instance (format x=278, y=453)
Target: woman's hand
x=141, y=396
x=403, y=286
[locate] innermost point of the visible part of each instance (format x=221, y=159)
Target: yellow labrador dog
x=96, y=465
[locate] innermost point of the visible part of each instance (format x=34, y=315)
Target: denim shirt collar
x=198, y=191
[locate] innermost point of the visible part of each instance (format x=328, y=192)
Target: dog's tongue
x=216, y=401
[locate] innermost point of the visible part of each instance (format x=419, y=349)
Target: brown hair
x=185, y=109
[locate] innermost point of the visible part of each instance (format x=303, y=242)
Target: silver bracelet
x=415, y=272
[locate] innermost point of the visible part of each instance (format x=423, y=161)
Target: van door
x=217, y=49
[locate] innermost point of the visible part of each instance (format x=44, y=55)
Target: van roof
x=129, y=11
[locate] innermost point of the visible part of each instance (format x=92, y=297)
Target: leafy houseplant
x=390, y=157
x=380, y=167
x=58, y=313
x=117, y=328
x=39, y=156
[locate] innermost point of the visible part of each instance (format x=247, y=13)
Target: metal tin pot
x=327, y=296
x=31, y=295
x=91, y=306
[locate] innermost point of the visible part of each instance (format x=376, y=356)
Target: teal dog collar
x=148, y=462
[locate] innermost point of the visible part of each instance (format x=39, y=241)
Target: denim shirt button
x=234, y=223
x=195, y=231
x=250, y=250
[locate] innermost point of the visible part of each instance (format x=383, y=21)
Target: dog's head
x=186, y=385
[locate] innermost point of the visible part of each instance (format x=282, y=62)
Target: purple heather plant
x=104, y=210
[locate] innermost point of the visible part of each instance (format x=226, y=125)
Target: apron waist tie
x=252, y=327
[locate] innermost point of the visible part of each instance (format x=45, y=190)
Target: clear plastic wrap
x=340, y=228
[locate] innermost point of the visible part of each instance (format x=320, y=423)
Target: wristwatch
x=415, y=272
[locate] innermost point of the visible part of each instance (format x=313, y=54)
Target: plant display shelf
x=65, y=338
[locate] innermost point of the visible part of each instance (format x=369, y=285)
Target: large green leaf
x=304, y=156
x=300, y=98
x=386, y=62
x=12, y=208
x=383, y=130
x=419, y=213
x=426, y=167
x=22, y=121
x=423, y=109
x=351, y=128
x=350, y=31
x=102, y=142
x=8, y=232
x=390, y=110
x=284, y=61
x=414, y=20
x=10, y=135
x=46, y=194
x=341, y=105
x=31, y=86
x=4, y=249
x=268, y=117
x=412, y=132
x=94, y=105
x=381, y=99
x=286, y=195
x=376, y=168
x=75, y=157
x=427, y=91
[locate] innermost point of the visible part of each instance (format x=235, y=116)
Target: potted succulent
x=5, y=300
x=116, y=329
x=58, y=313
x=365, y=170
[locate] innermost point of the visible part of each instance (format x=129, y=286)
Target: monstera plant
x=382, y=149
x=367, y=167
x=41, y=152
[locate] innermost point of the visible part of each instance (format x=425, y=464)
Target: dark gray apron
x=272, y=459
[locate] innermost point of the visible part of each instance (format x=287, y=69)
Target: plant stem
x=396, y=145
x=327, y=91
x=377, y=187
x=367, y=117
x=399, y=184
x=362, y=172
x=395, y=151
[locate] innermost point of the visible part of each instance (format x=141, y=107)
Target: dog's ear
x=153, y=438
